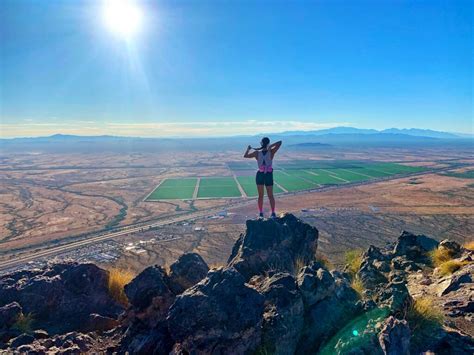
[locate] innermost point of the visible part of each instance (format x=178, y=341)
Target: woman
x=264, y=156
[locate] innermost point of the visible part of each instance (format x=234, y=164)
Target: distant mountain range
x=321, y=139
x=405, y=131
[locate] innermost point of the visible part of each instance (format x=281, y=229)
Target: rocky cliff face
x=272, y=297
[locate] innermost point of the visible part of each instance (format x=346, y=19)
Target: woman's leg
x=260, y=198
x=271, y=198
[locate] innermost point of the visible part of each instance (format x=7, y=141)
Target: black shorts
x=264, y=178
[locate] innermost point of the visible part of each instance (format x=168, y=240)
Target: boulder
x=220, y=314
x=61, y=296
x=144, y=340
x=326, y=317
x=187, y=271
x=456, y=281
x=274, y=244
x=40, y=334
x=9, y=314
x=401, y=263
x=394, y=296
x=370, y=276
x=394, y=337
x=315, y=284
x=283, y=317
x=414, y=247
x=20, y=340
x=150, y=283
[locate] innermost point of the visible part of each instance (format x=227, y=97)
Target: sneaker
x=260, y=216
x=273, y=215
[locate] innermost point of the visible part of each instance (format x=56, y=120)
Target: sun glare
x=123, y=17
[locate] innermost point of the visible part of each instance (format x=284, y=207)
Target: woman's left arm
x=274, y=147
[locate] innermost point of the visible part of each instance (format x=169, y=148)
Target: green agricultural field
x=218, y=187
x=291, y=182
x=349, y=175
x=174, y=189
x=370, y=172
x=248, y=184
x=323, y=177
x=465, y=175
x=392, y=168
x=290, y=175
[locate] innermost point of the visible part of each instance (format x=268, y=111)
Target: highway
x=56, y=250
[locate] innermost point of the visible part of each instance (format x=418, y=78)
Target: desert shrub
x=323, y=260
x=117, y=280
x=216, y=265
x=451, y=266
x=358, y=286
x=423, y=317
x=423, y=313
x=440, y=255
x=24, y=323
x=469, y=245
x=353, y=259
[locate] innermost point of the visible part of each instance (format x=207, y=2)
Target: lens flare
x=123, y=17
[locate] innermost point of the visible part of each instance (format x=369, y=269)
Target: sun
x=123, y=17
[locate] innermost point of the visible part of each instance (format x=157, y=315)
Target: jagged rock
x=401, y=263
x=27, y=349
x=40, y=334
x=187, y=271
x=315, y=284
x=150, y=283
x=217, y=315
x=397, y=276
x=8, y=334
x=328, y=315
x=101, y=323
x=446, y=341
x=9, y=314
x=74, y=339
x=374, y=253
x=151, y=294
x=273, y=244
x=143, y=340
x=284, y=314
x=22, y=339
x=455, y=281
x=61, y=296
x=394, y=338
x=370, y=276
x=414, y=247
x=395, y=296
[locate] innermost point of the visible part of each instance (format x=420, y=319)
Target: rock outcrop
x=271, y=297
x=274, y=244
x=61, y=297
x=217, y=314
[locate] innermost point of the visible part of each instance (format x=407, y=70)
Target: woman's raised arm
x=274, y=147
x=250, y=155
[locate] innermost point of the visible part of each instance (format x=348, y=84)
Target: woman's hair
x=265, y=142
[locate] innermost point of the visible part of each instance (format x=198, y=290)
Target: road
x=75, y=244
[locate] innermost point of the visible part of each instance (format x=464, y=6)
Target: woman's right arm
x=248, y=154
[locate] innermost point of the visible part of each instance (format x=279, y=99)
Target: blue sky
x=226, y=67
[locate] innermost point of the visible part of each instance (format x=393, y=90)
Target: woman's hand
x=250, y=155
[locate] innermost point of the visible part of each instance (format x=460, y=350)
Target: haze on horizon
x=208, y=68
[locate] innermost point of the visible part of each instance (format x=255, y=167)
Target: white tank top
x=264, y=161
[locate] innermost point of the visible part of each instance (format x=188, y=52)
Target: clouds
x=161, y=129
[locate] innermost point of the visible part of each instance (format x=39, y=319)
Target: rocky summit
x=272, y=297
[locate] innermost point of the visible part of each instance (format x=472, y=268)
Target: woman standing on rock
x=264, y=156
